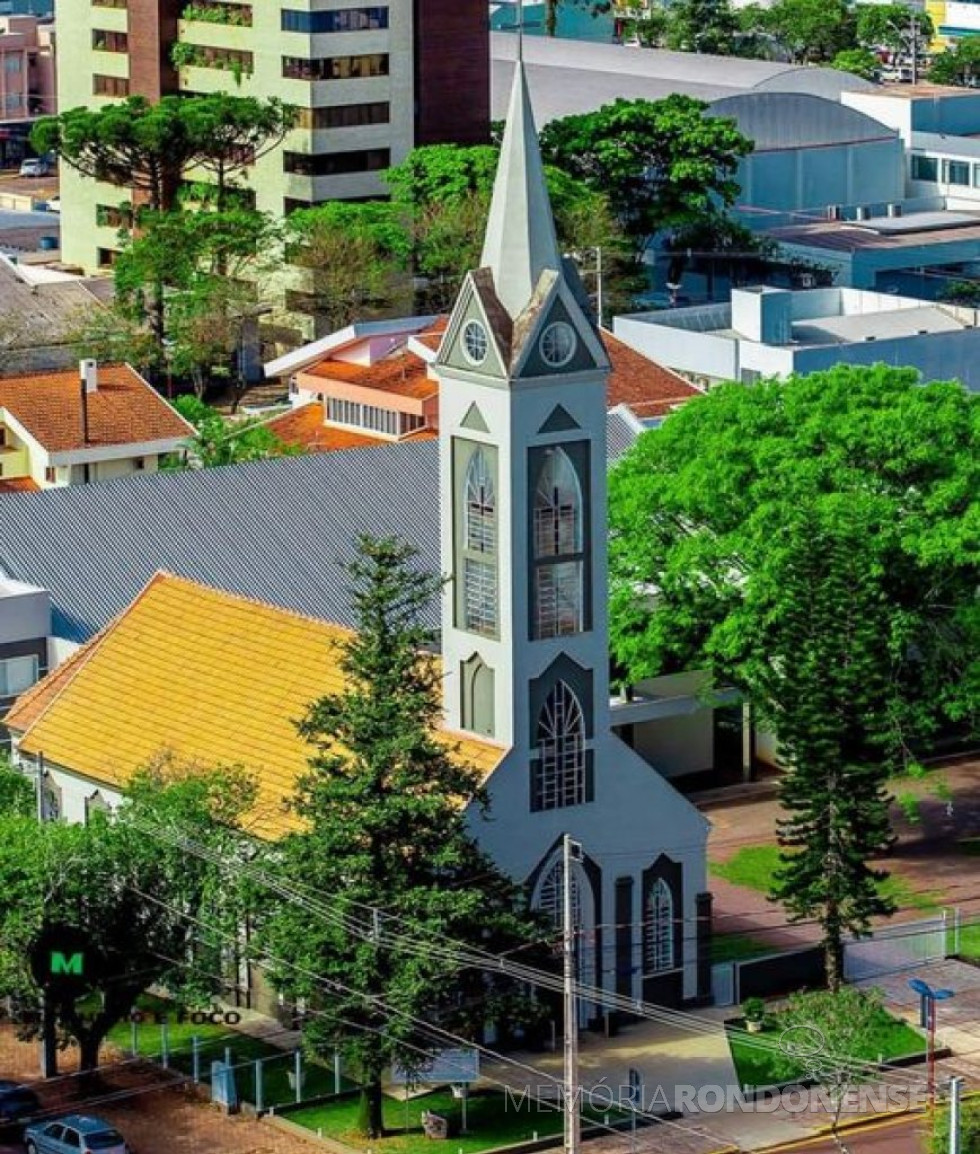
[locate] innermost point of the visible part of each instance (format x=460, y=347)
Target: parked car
x=35, y=166
x=74, y=1134
x=17, y=1104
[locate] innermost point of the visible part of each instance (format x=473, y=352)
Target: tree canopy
x=664, y=165
x=959, y=64
x=132, y=895
x=387, y=839
x=135, y=143
x=814, y=543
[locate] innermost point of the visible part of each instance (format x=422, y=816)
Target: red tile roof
x=638, y=382
x=303, y=428
x=124, y=409
x=402, y=374
x=19, y=485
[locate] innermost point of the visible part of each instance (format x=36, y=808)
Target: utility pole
x=571, y=851
x=955, y=1086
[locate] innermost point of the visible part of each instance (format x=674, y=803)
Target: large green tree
x=810, y=31
x=709, y=26
x=958, y=64
x=387, y=839
x=230, y=133
x=891, y=26
x=194, y=279
x=149, y=146
x=664, y=165
x=350, y=260
x=814, y=543
x=441, y=195
x=132, y=143
x=131, y=893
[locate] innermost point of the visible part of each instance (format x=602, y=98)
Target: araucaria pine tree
x=386, y=845
x=830, y=703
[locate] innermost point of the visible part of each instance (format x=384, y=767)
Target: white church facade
x=525, y=638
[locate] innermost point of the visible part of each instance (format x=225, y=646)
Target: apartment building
x=371, y=82
x=27, y=80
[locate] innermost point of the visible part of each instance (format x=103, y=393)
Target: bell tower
x=522, y=430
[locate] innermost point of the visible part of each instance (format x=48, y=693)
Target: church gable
x=560, y=341
x=478, y=337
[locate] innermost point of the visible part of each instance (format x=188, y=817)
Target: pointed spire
x=520, y=241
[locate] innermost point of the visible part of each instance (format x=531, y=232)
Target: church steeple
x=520, y=240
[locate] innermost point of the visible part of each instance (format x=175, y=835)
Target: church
x=198, y=612
x=522, y=455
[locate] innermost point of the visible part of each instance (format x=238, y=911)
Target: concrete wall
x=682, y=349
x=812, y=178
x=677, y=746
x=25, y=612
x=937, y=356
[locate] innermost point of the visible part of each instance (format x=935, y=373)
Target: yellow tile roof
x=209, y=677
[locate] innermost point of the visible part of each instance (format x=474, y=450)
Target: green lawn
x=493, y=1119
x=969, y=942
x=758, y=1066
x=737, y=947
x=213, y=1042
x=754, y=867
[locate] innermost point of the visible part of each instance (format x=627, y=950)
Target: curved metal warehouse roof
x=572, y=76
x=777, y=120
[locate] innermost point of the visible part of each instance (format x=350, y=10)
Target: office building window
x=335, y=67
x=105, y=41
x=925, y=167
x=346, y=115
x=336, y=163
x=340, y=20
x=956, y=172
x=371, y=417
x=110, y=85
x=109, y=3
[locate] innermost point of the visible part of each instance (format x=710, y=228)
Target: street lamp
x=928, y=997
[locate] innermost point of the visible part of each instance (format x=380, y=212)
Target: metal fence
x=240, y=1068
x=894, y=948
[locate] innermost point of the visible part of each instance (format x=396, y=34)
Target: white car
x=35, y=166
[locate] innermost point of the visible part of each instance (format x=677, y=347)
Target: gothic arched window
x=551, y=897
x=558, y=547
x=479, y=547
x=658, y=928
x=481, y=506
x=559, y=770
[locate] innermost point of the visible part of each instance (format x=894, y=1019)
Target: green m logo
x=67, y=963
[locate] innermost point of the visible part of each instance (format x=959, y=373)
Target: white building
x=774, y=332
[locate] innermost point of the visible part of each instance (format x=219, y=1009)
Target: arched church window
x=551, y=896
x=558, y=547
x=559, y=770
x=480, y=547
x=481, y=528
x=658, y=936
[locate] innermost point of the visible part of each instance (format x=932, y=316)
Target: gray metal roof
x=573, y=76
x=826, y=82
x=277, y=530
x=784, y=120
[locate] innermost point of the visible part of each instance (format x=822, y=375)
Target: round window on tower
x=475, y=342
x=558, y=342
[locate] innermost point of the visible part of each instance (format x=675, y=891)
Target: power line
x=462, y=956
